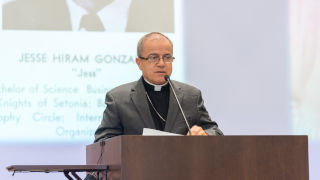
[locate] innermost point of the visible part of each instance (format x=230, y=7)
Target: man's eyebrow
x=154, y=54
x=168, y=54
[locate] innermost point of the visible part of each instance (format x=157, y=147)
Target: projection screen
x=57, y=63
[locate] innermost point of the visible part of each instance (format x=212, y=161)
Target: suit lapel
x=173, y=107
x=139, y=99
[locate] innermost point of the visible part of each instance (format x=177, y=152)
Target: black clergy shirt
x=160, y=100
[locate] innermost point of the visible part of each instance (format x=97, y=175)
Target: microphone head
x=166, y=77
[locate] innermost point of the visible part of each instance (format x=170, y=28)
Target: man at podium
x=154, y=101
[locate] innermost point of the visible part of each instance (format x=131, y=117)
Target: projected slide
x=305, y=66
x=58, y=58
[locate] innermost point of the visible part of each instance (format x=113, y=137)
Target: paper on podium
x=153, y=132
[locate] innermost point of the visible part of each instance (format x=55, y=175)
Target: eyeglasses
x=155, y=58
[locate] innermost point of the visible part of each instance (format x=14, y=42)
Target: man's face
x=154, y=72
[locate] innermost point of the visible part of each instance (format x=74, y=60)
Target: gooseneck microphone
x=167, y=78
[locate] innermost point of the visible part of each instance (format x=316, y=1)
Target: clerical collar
x=156, y=87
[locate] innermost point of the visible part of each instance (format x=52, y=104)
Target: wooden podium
x=196, y=157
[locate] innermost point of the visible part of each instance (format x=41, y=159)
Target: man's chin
x=159, y=81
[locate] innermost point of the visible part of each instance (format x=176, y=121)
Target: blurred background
x=255, y=61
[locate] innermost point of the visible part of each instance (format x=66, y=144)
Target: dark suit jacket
x=143, y=15
x=127, y=111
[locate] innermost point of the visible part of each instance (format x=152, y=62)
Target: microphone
x=167, y=78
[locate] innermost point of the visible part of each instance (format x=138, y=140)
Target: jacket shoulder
x=122, y=89
x=186, y=87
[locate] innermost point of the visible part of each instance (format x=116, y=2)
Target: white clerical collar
x=156, y=86
x=114, y=16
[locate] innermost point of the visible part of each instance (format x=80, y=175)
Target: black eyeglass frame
x=148, y=58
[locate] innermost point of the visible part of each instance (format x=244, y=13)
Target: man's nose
x=161, y=62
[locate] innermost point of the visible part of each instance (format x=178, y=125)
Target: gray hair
x=147, y=36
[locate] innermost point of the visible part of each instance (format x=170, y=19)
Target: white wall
x=237, y=54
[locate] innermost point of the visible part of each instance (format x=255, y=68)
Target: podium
x=198, y=157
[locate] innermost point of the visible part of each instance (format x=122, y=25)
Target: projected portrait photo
x=305, y=66
x=89, y=15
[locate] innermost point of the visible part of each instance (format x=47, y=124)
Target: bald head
x=151, y=36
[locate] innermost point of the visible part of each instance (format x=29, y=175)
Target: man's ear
x=138, y=62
